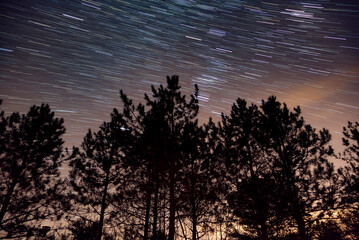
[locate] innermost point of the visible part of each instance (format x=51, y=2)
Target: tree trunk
x=194, y=220
x=6, y=202
x=298, y=215
x=193, y=203
x=171, y=232
x=148, y=206
x=301, y=226
x=258, y=202
x=293, y=195
x=155, y=211
x=103, y=206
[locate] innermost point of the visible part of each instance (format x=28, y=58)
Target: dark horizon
x=154, y=173
x=77, y=55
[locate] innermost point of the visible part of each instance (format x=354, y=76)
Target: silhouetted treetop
x=31, y=147
x=299, y=154
x=153, y=172
x=350, y=172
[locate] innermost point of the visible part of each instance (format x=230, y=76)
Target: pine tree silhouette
x=248, y=167
x=300, y=165
x=30, y=152
x=99, y=168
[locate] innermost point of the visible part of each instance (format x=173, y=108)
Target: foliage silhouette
x=82, y=229
x=169, y=116
x=299, y=157
x=248, y=166
x=200, y=180
x=350, y=219
x=350, y=173
x=148, y=144
x=30, y=187
x=99, y=168
x=152, y=172
x=330, y=231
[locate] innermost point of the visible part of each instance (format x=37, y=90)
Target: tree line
x=153, y=172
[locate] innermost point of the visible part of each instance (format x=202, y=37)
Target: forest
x=154, y=173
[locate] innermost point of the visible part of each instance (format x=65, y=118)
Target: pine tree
x=350, y=173
x=198, y=181
x=248, y=167
x=98, y=170
x=171, y=112
x=349, y=176
x=300, y=165
x=30, y=153
x=139, y=195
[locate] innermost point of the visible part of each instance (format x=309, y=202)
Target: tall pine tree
x=299, y=157
x=172, y=112
x=350, y=173
x=98, y=171
x=30, y=154
x=252, y=194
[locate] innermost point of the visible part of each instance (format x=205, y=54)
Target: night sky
x=77, y=55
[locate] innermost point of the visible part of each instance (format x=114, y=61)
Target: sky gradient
x=77, y=55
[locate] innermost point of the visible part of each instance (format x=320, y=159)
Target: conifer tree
x=252, y=195
x=299, y=158
x=30, y=154
x=172, y=112
x=98, y=170
x=349, y=176
x=199, y=180
x=350, y=173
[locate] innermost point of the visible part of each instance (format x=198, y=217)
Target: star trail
x=77, y=55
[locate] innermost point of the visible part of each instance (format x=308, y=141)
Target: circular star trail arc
x=76, y=55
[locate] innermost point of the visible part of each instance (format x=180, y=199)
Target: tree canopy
x=154, y=172
x=30, y=155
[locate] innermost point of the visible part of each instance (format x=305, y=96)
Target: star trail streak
x=76, y=55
